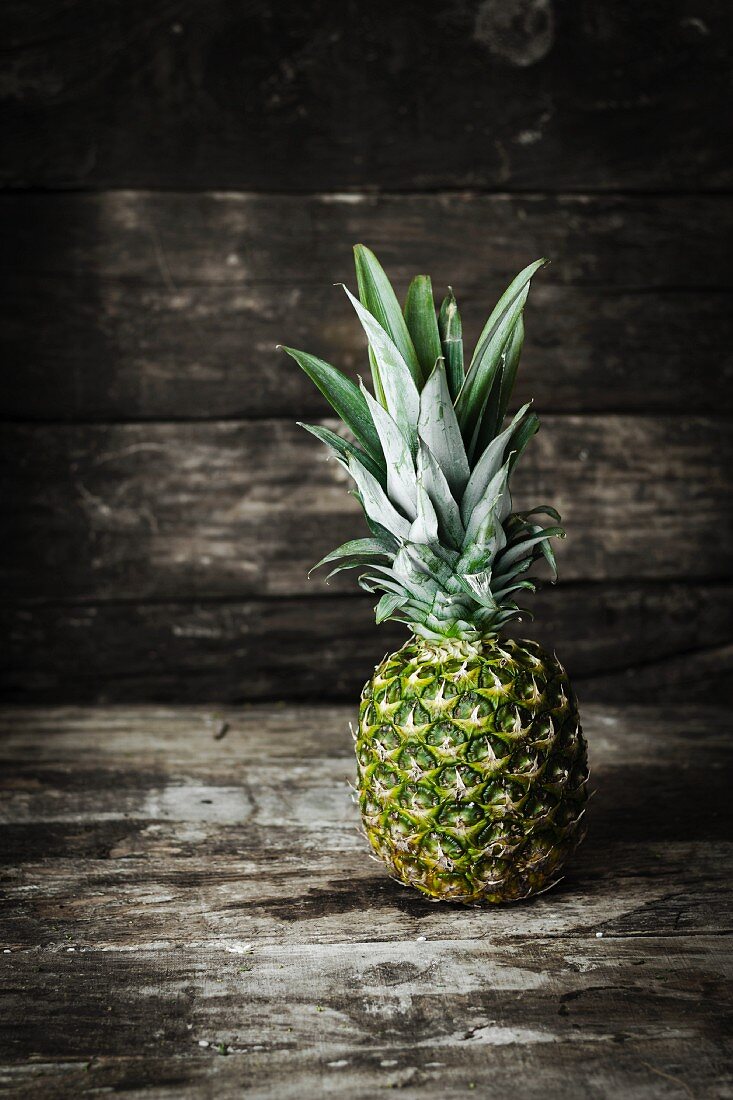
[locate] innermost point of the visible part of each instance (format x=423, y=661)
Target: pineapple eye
x=363, y=754
x=418, y=796
x=505, y=719
x=386, y=776
x=494, y=674
x=387, y=738
x=494, y=833
x=471, y=703
x=440, y=845
x=393, y=692
x=400, y=824
x=368, y=715
x=415, y=758
x=543, y=728
x=446, y=736
x=460, y=815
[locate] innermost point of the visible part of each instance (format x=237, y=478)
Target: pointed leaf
x=344, y=449
x=520, y=438
x=487, y=356
x=493, y=500
x=433, y=478
x=425, y=527
x=487, y=467
x=401, y=478
x=493, y=415
x=543, y=510
x=377, y=296
x=451, y=340
x=479, y=585
x=515, y=553
x=422, y=323
x=389, y=603
x=355, y=552
x=438, y=427
x=375, y=501
x=344, y=397
x=402, y=400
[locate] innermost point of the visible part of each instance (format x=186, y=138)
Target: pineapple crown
x=431, y=460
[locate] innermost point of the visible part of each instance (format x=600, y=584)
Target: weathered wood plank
x=246, y=837
x=122, y=306
x=574, y=1069
x=232, y=239
x=277, y=96
x=649, y=643
x=238, y=509
x=447, y=1004
x=215, y=946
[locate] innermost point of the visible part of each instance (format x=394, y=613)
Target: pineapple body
x=472, y=769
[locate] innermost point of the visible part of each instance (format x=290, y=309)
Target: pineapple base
x=472, y=769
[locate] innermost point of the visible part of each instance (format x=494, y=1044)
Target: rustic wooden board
x=237, y=509
x=203, y=919
x=125, y=306
x=272, y=96
x=644, y=642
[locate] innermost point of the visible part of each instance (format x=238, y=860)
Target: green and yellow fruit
x=471, y=761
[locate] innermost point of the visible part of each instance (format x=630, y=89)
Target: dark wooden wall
x=181, y=185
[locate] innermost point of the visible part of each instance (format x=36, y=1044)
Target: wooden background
x=181, y=185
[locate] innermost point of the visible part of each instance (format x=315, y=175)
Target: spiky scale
x=472, y=769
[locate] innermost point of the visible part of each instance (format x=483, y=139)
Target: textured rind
x=472, y=769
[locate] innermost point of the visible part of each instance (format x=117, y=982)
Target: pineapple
x=471, y=762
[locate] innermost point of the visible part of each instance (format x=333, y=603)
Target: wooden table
x=190, y=911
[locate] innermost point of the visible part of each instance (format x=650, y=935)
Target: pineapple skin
x=472, y=769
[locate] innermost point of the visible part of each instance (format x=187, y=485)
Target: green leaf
x=520, y=551
x=451, y=340
x=495, y=499
x=401, y=478
x=344, y=397
x=449, y=516
x=422, y=324
x=355, y=553
x=377, y=295
x=492, y=417
x=344, y=449
x=543, y=510
x=401, y=398
x=487, y=466
x=425, y=527
x=388, y=604
x=376, y=503
x=438, y=427
x=487, y=356
x=478, y=585
x=519, y=440
x=512, y=353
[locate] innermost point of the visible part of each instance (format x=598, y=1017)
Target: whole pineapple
x=471, y=761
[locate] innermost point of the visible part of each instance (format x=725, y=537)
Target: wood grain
x=142, y=306
x=274, y=96
x=650, y=643
x=220, y=509
x=203, y=918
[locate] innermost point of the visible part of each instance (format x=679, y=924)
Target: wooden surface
x=194, y=540
x=141, y=305
x=181, y=185
x=191, y=912
x=272, y=95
